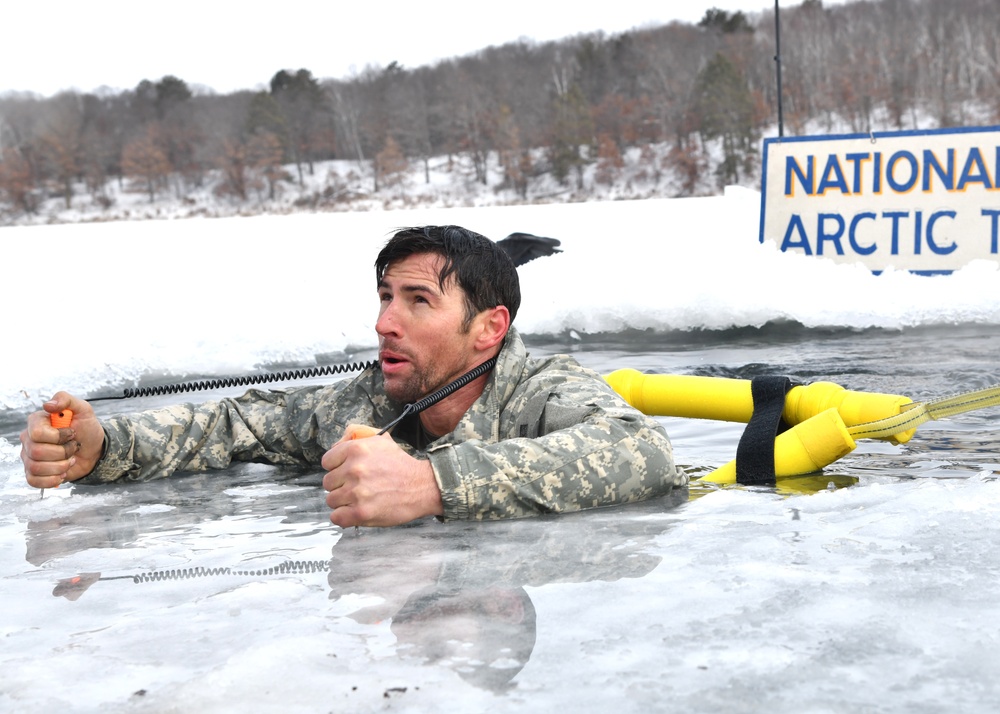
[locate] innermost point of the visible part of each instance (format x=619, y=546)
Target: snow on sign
x=924, y=201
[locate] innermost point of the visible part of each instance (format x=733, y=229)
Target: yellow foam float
x=819, y=414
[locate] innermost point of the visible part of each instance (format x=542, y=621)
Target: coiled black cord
x=291, y=567
x=245, y=380
x=451, y=387
x=413, y=408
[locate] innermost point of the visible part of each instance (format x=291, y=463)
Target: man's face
x=422, y=345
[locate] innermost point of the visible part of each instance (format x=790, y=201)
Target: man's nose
x=386, y=323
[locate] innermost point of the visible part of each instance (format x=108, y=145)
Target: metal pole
x=777, y=62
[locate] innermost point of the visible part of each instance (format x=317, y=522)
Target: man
x=527, y=437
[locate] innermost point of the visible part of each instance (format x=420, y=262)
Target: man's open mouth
x=390, y=359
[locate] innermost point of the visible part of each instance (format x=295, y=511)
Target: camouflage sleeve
x=593, y=450
x=267, y=426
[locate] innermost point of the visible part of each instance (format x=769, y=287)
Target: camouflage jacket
x=544, y=436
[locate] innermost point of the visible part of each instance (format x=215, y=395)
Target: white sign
x=925, y=201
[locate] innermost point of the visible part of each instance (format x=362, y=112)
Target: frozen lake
x=874, y=587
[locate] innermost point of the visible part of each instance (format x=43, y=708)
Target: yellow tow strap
x=913, y=415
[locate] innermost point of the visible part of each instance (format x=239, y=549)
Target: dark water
x=923, y=363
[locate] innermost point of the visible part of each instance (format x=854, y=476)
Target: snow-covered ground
x=350, y=186
x=444, y=182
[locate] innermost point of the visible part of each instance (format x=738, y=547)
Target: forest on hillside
x=706, y=92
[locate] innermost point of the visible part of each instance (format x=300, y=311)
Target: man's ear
x=494, y=324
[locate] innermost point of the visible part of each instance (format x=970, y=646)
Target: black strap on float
x=755, y=452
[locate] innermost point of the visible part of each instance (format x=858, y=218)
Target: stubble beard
x=411, y=389
x=419, y=384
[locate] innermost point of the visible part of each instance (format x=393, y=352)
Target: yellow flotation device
x=820, y=414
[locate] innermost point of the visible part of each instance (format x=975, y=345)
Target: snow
x=124, y=300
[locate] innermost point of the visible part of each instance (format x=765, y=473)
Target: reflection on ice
x=456, y=595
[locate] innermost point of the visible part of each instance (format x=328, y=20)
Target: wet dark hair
x=483, y=271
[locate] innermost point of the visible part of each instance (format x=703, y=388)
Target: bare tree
x=515, y=159
x=145, y=159
x=391, y=165
x=234, y=165
x=16, y=181
x=264, y=156
x=609, y=160
x=61, y=142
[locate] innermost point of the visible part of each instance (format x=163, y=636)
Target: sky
x=53, y=45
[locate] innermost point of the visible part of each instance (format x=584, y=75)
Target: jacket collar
x=481, y=420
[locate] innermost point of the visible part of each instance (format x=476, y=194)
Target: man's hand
x=373, y=482
x=52, y=455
